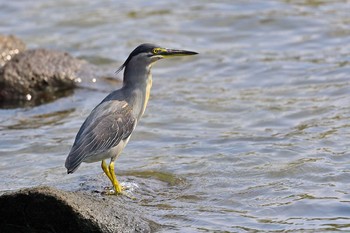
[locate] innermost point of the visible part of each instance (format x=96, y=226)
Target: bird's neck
x=136, y=76
x=139, y=79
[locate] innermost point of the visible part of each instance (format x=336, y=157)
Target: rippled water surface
x=250, y=135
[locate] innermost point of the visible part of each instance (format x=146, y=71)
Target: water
x=251, y=135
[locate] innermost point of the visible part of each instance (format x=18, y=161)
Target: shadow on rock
x=45, y=209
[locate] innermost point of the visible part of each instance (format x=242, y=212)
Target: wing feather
x=108, y=124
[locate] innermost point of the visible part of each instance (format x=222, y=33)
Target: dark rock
x=9, y=47
x=34, y=77
x=37, y=75
x=45, y=209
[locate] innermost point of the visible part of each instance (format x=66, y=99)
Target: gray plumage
x=107, y=125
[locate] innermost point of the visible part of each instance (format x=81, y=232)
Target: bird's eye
x=157, y=50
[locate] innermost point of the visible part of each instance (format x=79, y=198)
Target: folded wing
x=108, y=124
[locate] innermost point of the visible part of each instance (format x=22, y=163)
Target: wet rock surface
x=9, y=47
x=46, y=209
x=33, y=77
x=37, y=74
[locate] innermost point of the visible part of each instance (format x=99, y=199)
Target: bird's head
x=147, y=54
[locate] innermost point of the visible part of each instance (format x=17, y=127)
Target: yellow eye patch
x=158, y=50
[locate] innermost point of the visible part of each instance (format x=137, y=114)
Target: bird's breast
x=148, y=92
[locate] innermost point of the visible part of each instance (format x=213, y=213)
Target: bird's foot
x=111, y=191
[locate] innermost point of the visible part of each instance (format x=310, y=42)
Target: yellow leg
x=118, y=188
x=106, y=170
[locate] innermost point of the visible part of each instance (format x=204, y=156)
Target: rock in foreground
x=45, y=209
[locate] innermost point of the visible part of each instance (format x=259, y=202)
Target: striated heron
x=108, y=128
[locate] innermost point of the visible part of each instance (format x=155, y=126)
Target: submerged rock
x=45, y=209
x=37, y=75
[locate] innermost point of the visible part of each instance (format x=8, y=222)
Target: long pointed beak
x=175, y=52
